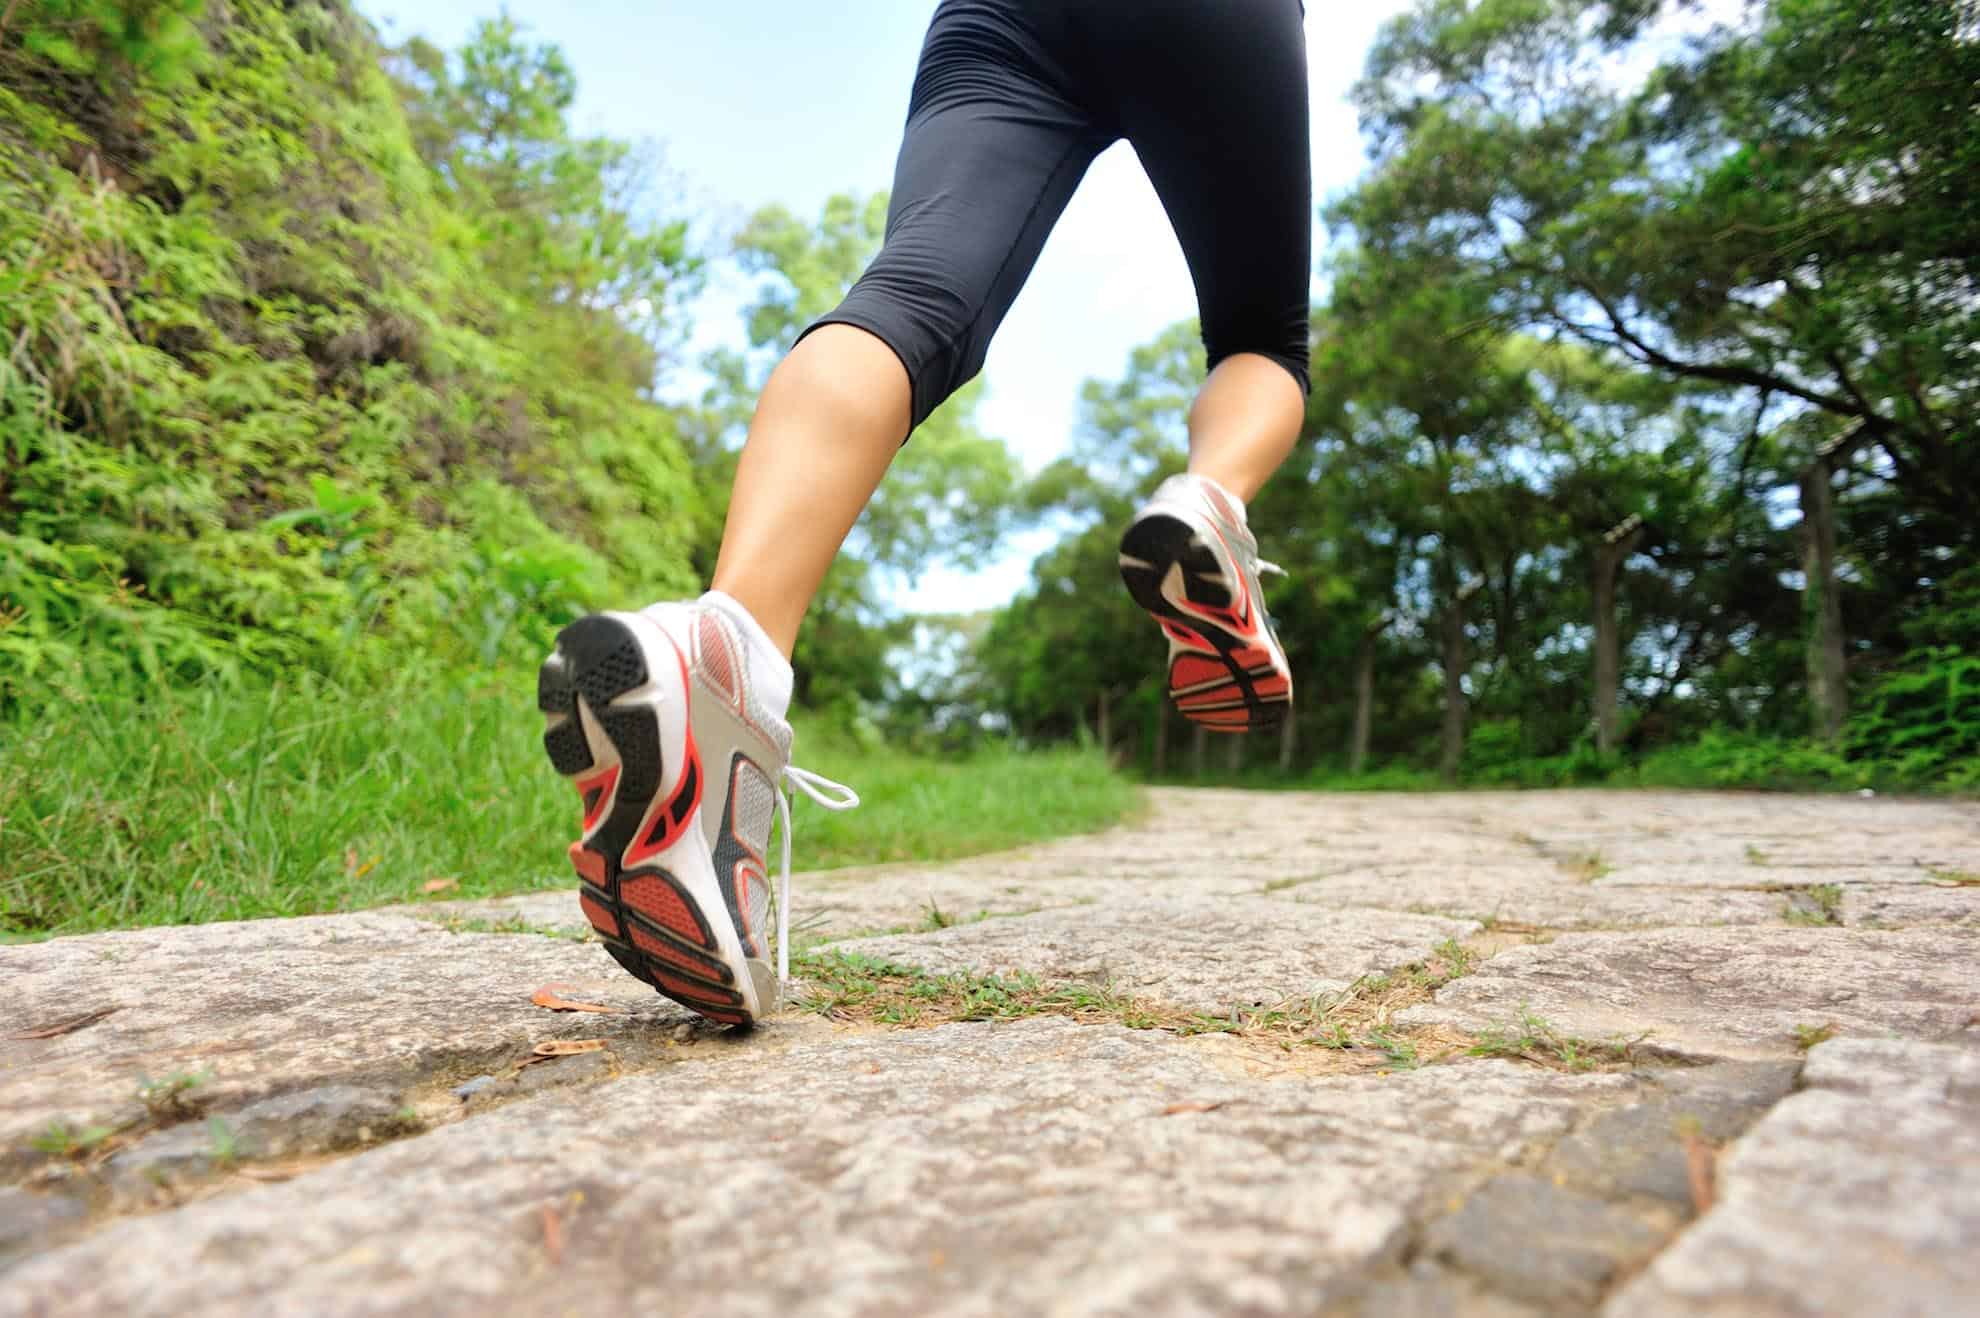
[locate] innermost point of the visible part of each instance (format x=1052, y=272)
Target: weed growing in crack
x=514, y=924
x=1589, y=867
x=1944, y=878
x=1532, y=1039
x=61, y=1140
x=170, y=1098
x=1356, y=1021
x=1820, y=905
x=1807, y=1036
x=222, y=1146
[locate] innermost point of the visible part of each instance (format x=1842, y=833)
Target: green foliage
x=286, y=386
x=1731, y=759
x=1923, y=716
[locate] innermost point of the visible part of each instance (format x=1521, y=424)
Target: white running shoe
x=1189, y=559
x=652, y=717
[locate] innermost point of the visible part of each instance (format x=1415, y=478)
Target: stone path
x=1491, y=1054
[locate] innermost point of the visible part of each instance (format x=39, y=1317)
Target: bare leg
x=828, y=423
x=1245, y=423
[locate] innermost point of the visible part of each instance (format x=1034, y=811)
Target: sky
x=790, y=101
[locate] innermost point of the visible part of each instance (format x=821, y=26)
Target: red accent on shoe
x=666, y=820
x=691, y=992
x=1188, y=670
x=589, y=864
x=661, y=950
x=1255, y=656
x=1215, y=696
x=1271, y=686
x=657, y=900
x=602, y=782
x=1183, y=635
x=601, y=919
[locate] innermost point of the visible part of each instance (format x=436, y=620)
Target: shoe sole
x=651, y=919
x=1223, y=679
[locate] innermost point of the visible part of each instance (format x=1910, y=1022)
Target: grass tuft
x=1532, y=1039
x=1819, y=905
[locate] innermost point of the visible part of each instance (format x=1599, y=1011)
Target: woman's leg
x=1213, y=96
x=829, y=421
x=996, y=142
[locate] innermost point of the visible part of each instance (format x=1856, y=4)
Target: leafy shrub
x=1728, y=759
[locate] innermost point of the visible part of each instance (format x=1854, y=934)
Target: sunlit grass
x=306, y=797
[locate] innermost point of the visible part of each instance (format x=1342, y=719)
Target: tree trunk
x=1106, y=729
x=1451, y=624
x=1234, y=755
x=1828, y=692
x=1288, y=735
x=1616, y=546
x=1364, y=693
x=1161, y=765
x=1197, y=738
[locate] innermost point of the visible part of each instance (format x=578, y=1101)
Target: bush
x=1728, y=759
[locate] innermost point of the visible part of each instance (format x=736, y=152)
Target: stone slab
x=1539, y=1242
x=1638, y=1150
x=1892, y=908
x=1208, y=954
x=1527, y=894
x=262, y=1006
x=1724, y=992
x=1030, y=1167
x=1859, y=1195
x=1773, y=878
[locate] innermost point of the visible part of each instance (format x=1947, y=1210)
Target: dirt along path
x=1494, y=1054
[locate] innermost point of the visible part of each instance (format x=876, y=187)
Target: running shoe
x=1189, y=559
x=680, y=770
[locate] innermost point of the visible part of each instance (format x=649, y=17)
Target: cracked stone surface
x=268, y=1005
x=1209, y=954
x=1858, y=1195
x=901, y=1172
x=1044, y=1165
x=1531, y=894
x=1724, y=992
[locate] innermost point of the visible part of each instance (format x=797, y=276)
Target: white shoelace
x=815, y=787
x=1265, y=567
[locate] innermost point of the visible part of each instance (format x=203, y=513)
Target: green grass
x=921, y=808
x=222, y=803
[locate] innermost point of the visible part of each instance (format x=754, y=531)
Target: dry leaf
x=569, y=1047
x=1176, y=1108
x=1700, y=1164
x=350, y=860
x=69, y=1026
x=439, y=885
x=365, y=868
x=553, y=1234
x=551, y=996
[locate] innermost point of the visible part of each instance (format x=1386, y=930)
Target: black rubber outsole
x=597, y=660
x=1162, y=542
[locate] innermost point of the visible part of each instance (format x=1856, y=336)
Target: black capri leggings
x=1012, y=101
